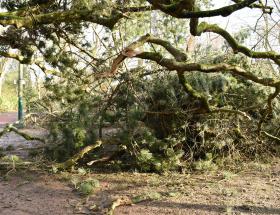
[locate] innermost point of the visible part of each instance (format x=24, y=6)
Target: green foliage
x=87, y=186
x=148, y=152
x=206, y=164
x=159, y=155
x=72, y=137
x=75, y=126
x=8, y=98
x=147, y=196
x=13, y=159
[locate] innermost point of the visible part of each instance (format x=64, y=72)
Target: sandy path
x=34, y=194
x=24, y=192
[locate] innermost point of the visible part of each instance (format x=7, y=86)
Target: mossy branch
x=172, y=64
x=193, y=93
x=132, y=51
x=178, y=54
x=175, y=9
x=90, y=15
x=269, y=109
x=10, y=128
x=73, y=160
x=17, y=57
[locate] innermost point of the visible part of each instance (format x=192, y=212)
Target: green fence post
x=20, y=95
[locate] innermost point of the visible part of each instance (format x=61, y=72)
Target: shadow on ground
x=217, y=208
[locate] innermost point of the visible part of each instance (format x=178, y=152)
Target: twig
x=119, y=202
x=277, y=139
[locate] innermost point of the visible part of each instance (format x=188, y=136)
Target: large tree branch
x=15, y=56
x=177, y=9
x=73, y=160
x=133, y=49
x=179, y=64
x=13, y=18
x=176, y=53
x=172, y=64
x=264, y=8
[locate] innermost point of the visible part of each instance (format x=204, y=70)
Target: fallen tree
x=73, y=160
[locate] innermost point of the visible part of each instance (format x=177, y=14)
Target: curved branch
x=178, y=63
x=180, y=66
x=272, y=137
x=194, y=93
x=132, y=51
x=177, y=54
x=205, y=27
x=171, y=64
x=269, y=109
x=176, y=11
x=264, y=8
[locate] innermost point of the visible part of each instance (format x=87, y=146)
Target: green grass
x=8, y=99
x=8, y=102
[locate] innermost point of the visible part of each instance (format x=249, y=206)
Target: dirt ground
x=255, y=189
x=29, y=193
